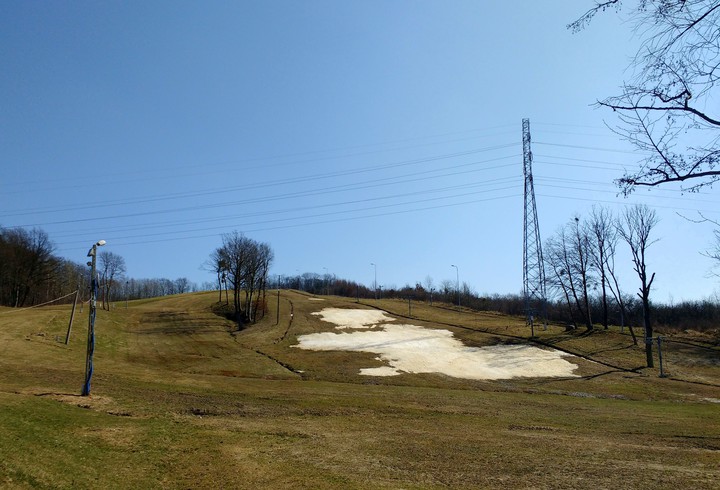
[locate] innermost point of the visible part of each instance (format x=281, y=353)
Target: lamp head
x=99, y=243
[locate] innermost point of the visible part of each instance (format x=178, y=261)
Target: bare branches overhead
x=670, y=109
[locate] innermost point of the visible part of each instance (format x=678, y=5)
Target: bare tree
x=634, y=226
x=604, y=237
x=557, y=265
x=613, y=282
x=182, y=285
x=216, y=264
x=245, y=264
x=112, y=267
x=714, y=252
x=26, y=265
x=568, y=257
x=263, y=259
x=447, y=288
x=669, y=109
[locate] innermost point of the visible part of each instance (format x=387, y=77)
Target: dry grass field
x=180, y=399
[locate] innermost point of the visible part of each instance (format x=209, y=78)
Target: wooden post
x=277, y=316
x=72, y=315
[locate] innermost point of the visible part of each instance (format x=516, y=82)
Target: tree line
x=699, y=315
x=32, y=274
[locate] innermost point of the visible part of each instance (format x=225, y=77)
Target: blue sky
x=341, y=133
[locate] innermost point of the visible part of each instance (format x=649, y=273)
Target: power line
x=592, y=148
x=475, y=201
x=332, y=205
x=204, y=166
x=252, y=200
x=254, y=186
x=165, y=224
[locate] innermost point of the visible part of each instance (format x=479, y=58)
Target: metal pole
x=457, y=279
x=91, y=319
x=375, y=283
x=278, y=308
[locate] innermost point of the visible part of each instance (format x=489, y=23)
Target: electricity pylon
x=533, y=265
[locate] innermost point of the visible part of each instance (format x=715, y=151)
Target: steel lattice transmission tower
x=533, y=265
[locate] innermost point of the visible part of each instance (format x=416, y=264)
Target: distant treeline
x=701, y=315
x=31, y=274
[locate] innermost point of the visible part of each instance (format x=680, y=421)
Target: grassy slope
x=181, y=400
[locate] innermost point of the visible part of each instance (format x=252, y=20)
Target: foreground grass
x=182, y=400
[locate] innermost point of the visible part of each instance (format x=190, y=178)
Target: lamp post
x=457, y=281
x=375, y=282
x=92, y=253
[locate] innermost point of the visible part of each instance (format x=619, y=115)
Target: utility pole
x=72, y=315
x=457, y=282
x=533, y=265
x=92, y=253
x=277, y=314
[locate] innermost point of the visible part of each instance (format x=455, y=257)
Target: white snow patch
x=345, y=318
x=415, y=349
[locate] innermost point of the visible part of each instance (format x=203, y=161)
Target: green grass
x=180, y=399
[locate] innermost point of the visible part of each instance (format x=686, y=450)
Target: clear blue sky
x=340, y=132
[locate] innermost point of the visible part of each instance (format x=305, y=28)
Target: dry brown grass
x=182, y=400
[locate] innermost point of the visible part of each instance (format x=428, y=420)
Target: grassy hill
x=180, y=399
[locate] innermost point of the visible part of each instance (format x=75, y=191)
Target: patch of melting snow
x=415, y=349
x=345, y=318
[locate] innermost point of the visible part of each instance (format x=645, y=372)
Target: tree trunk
x=648, y=329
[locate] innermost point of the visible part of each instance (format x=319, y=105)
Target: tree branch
x=683, y=108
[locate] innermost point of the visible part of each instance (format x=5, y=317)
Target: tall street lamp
x=92, y=253
x=457, y=282
x=375, y=283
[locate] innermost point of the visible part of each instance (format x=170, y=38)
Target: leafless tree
x=182, y=285
x=26, y=265
x=216, y=263
x=714, y=252
x=429, y=283
x=263, y=258
x=635, y=226
x=245, y=264
x=669, y=108
x=603, y=235
x=613, y=283
x=448, y=288
x=568, y=257
x=112, y=267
